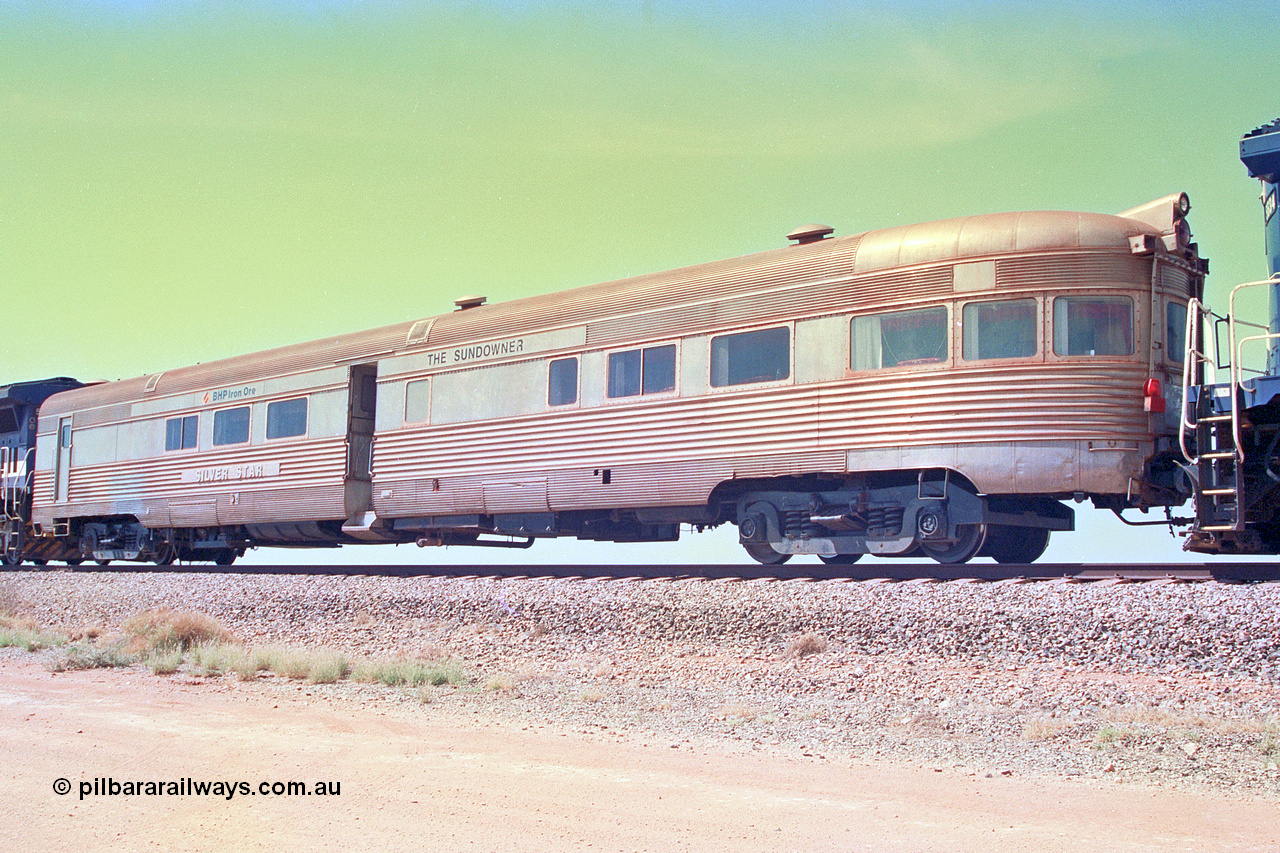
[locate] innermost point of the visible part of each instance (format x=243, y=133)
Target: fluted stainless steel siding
x=307, y=487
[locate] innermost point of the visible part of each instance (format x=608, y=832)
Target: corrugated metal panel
x=308, y=485
x=810, y=300
x=1057, y=271
x=1005, y=404
x=1175, y=280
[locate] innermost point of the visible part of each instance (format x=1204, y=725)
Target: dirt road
x=416, y=777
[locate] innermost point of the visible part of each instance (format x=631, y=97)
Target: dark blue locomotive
x=19, y=404
x=1231, y=429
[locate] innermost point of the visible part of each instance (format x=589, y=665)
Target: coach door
x=62, y=465
x=362, y=398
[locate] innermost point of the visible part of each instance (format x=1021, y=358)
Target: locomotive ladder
x=10, y=483
x=12, y=493
x=1214, y=418
x=1217, y=458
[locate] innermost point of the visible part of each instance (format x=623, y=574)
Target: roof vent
x=465, y=302
x=810, y=233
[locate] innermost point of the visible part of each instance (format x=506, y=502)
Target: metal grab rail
x=1237, y=353
x=1193, y=360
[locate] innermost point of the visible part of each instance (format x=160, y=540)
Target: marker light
x=1153, y=397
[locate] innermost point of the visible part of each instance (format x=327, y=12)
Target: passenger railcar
x=936, y=389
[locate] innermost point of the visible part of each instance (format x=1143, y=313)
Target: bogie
x=938, y=516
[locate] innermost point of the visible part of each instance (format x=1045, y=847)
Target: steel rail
x=1232, y=572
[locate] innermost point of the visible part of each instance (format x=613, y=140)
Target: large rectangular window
x=8, y=419
x=231, y=426
x=562, y=382
x=1004, y=329
x=287, y=418
x=651, y=370
x=760, y=356
x=1093, y=325
x=180, y=433
x=898, y=339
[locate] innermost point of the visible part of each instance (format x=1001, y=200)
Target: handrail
x=6, y=475
x=1237, y=354
x=1192, y=359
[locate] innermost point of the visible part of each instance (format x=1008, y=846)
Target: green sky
x=180, y=182
x=185, y=181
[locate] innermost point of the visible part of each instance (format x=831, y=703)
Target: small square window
x=231, y=426
x=287, y=418
x=562, y=382
x=180, y=433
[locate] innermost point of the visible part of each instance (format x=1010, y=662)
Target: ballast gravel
x=1174, y=684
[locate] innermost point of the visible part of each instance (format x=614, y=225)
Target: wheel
x=165, y=555
x=969, y=539
x=224, y=557
x=841, y=559
x=762, y=552
x=1015, y=544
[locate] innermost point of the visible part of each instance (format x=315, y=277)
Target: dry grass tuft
x=503, y=684
x=805, y=645
x=26, y=634
x=1044, y=728
x=77, y=657
x=410, y=672
x=159, y=630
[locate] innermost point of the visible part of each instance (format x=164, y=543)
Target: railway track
x=1231, y=572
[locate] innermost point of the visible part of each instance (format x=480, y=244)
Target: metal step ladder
x=1211, y=413
x=1220, y=465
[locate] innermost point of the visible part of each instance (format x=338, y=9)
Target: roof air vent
x=810, y=233
x=465, y=302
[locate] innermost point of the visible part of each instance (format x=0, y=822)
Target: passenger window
x=898, y=339
x=1093, y=325
x=1004, y=329
x=231, y=426
x=180, y=433
x=417, y=401
x=1175, y=335
x=562, y=382
x=651, y=370
x=286, y=418
x=760, y=356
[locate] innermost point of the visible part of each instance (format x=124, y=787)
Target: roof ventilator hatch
x=810, y=233
x=466, y=302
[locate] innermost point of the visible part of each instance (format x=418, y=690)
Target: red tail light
x=1153, y=397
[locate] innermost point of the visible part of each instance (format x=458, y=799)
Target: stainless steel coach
x=939, y=388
